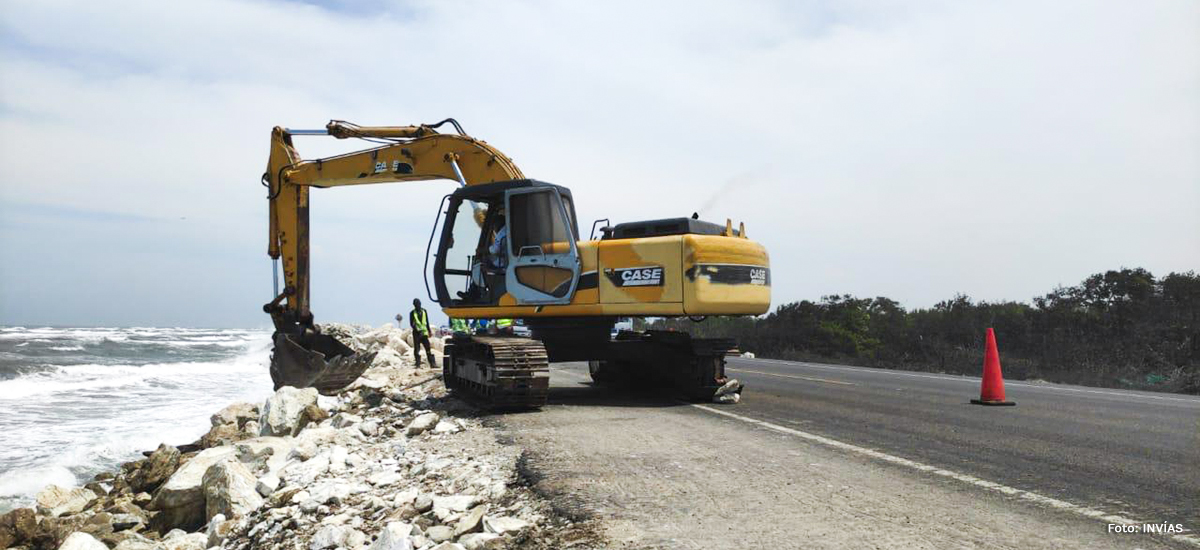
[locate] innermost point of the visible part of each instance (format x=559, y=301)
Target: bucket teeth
x=324, y=364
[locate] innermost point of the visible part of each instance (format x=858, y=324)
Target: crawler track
x=502, y=372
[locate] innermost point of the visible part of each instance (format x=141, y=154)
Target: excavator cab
x=507, y=243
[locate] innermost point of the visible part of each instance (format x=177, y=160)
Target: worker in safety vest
x=504, y=326
x=479, y=326
x=458, y=325
x=418, y=319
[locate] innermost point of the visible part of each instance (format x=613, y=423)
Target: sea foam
x=79, y=401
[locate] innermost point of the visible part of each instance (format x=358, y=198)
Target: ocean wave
x=65, y=422
x=28, y=481
x=91, y=377
x=43, y=383
x=92, y=448
x=95, y=334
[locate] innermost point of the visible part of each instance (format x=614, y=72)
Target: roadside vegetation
x=1124, y=329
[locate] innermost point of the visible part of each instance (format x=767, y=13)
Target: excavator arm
x=304, y=357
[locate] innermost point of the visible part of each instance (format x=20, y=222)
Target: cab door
x=543, y=261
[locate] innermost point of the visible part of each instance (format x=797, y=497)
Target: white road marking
x=975, y=380
x=1022, y=494
x=810, y=378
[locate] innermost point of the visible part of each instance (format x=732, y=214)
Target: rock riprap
x=391, y=463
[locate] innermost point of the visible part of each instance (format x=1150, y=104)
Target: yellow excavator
x=507, y=247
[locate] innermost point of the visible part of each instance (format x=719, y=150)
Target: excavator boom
x=303, y=356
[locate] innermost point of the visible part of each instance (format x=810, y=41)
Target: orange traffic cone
x=992, y=391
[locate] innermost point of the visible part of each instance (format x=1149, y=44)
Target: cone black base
x=994, y=403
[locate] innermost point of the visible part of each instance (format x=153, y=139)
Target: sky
x=914, y=150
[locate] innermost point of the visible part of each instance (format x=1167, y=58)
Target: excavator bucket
x=319, y=362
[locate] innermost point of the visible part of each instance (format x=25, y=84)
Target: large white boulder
x=337, y=459
x=268, y=484
x=481, y=541
x=472, y=522
x=330, y=536
x=449, y=546
x=181, y=498
x=230, y=489
x=282, y=411
x=501, y=525
x=394, y=536
x=317, y=437
x=57, y=501
x=218, y=530
x=237, y=413
x=82, y=541
x=422, y=423
x=311, y=469
x=267, y=453
x=180, y=540
x=388, y=358
x=136, y=543
x=729, y=393
x=331, y=491
x=343, y=419
x=406, y=496
x=456, y=503
x=446, y=427
x=397, y=344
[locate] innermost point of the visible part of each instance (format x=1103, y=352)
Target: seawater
x=78, y=401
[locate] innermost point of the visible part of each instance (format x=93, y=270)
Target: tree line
x=1121, y=328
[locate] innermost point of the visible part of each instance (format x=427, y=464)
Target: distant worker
x=504, y=326
x=418, y=319
x=478, y=326
x=458, y=325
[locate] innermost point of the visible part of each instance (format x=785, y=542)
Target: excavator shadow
x=590, y=394
x=571, y=388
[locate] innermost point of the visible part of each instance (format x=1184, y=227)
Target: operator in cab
x=487, y=272
x=498, y=251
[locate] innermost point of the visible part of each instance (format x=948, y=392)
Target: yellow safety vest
x=420, y=321
x=504, y=323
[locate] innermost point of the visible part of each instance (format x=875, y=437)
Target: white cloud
x=911, y=149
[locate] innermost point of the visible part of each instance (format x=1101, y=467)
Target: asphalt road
x=1131, y=453
x=831, y=456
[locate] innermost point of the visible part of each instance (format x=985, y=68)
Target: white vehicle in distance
x=623, y=323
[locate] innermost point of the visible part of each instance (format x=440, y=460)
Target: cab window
x=537, y=225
